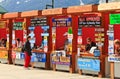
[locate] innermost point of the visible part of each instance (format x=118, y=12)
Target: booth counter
x=3, y=55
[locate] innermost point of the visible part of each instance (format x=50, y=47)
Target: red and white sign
x=45, y=48
x=79, y=40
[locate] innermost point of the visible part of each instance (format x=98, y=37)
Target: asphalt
x=18, y=72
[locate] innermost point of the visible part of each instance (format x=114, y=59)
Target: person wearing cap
x=117, y=47
x=89, y=44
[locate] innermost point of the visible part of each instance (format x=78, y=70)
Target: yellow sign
x=64, y=59
x=2, y=24
x=55, y=58
x=24, y=25
x=4, y=54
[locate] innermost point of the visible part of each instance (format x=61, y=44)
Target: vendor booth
x=38, y=29
x=62, y=56
x=90, y=38
x=112, y=14
x=4, y=42
x=19, y=35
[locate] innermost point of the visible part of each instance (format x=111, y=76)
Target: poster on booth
x=41, y=57
x=4, y=54
x=89, y=64
x=60, y=58
x=45, y=35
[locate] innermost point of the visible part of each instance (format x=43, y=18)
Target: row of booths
x=51, y=28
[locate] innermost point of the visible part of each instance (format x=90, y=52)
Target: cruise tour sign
x=114, y=19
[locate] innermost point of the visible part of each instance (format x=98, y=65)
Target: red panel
x=19, y=20
x=117, y=32
x=88, y=32
x=60, y=38
x=3, y=33
x=38, y=30
x=19, y=34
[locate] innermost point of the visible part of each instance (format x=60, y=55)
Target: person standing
x=27, y=52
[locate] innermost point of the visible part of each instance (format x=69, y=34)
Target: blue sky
x=24, y=5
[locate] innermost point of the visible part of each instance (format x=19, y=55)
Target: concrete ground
x=18, y=72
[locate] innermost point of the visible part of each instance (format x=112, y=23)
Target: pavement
x=18, y=72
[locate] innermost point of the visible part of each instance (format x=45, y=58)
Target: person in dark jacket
x=90, y=44
x=27, y=52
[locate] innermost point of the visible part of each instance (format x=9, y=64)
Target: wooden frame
x=109, y=6
x=12, y=15
x=81, y=9
x=31, y=13
x=56, y=11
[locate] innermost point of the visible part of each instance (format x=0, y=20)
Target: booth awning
x=12, y=15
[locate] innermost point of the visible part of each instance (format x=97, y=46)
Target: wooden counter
x=38, y=51
x=47, y=63
x=91, y=56
x=86, y=54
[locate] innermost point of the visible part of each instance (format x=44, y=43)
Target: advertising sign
x=18, y=25
x=89, y=64
x=2, y=24
x=39, y=21
x=41, y=57
x=60, y=58
x=36, y=57
x=114, y=19
x=61, y=21
x=113, y=59
x=90, y=21
x=79, y=40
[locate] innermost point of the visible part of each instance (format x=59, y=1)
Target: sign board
x=89, y=64
x=113, y=59
x=41, y=57
x=2, y=24
x=18, y=25
x=79, y=40
x=61, y=21
x=114, y=19
x=90, y=21
x=60, y=58
x=39, y=21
